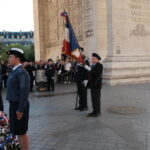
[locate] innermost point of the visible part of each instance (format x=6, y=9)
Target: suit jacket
x=50, y=71
x=81, y=74
x=96, y=76
x=28, y=68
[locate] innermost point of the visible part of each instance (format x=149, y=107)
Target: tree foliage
x=28, y=51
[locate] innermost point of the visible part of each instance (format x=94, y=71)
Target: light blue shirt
x=14, y=68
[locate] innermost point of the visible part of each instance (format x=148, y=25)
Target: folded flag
x=70, y=44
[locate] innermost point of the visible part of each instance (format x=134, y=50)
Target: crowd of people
x=61, y=71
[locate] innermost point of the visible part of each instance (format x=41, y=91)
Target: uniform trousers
x=96, y=103
x=82, y=91
x=51, y=84
x=18, y=127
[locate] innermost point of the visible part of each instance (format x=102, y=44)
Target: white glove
x=87, y=67
x=85, y=82
x=59, y=71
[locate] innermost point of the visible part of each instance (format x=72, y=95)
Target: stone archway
x=49, y=25
x=117, y=30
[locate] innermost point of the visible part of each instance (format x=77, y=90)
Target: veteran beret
x=96, y=55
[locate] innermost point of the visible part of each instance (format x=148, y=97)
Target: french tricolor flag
x=70, y=43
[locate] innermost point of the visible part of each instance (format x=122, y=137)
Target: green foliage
x=3, y=55
x=29, y=51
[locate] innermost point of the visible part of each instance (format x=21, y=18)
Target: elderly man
x=95, y=84
x=18, y=86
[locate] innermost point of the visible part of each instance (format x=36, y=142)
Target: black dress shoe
x=97, y=115
x=78, y=108
x=93, y=115
x=84, y=109
x=90, y=114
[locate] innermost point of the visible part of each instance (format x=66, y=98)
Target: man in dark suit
x=4, y=73
x=29, y=69
x=81, y=78
x=95, y=80
x=50, y=74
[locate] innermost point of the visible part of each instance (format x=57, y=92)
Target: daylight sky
x=16, y=15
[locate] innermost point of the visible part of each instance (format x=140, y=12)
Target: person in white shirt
x=67, y=72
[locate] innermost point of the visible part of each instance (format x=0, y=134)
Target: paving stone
x=55, y=125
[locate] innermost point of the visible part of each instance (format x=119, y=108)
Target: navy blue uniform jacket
x=18, y=87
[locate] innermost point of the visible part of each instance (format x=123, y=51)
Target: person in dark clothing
x=4, y=73
x=50, y=74
x=17, y=94
x=40, y=66
x=81, y=78
x=95, y=84
x=33, y=73
x=1, y=87
x=29, y=69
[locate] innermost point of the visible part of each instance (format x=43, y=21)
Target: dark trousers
x=5, y=81
x=31, y=84
x=51, y=84
x=67, y=76
x=82, y=91
x=1, y=101
x=96, y=103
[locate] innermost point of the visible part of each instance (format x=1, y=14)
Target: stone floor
x=55, y=125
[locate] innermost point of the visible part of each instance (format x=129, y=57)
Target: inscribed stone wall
x=129, y=38
x=131, y=22
x=80, y=14
x=88, y=18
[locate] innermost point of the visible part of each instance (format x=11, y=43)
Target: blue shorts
x=18, y=127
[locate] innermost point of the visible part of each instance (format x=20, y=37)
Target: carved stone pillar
x=129, y=37
x=39, y=28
